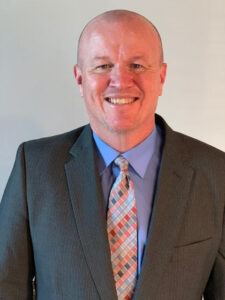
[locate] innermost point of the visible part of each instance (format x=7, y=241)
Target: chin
x=120, y=128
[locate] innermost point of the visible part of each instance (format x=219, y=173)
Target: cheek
x=150, y=86
x=94, y=85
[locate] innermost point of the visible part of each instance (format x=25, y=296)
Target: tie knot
x=122, y=163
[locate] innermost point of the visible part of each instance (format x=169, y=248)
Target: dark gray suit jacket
x=52, y=223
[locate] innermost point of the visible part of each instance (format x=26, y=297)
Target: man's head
x=120, y=73
x=114, y=16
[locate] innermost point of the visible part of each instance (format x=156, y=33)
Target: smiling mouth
x=121, y=101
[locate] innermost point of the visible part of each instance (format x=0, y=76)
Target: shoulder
x=203, y=158
x=195, y=148
x=56, y=147
x=190, y=150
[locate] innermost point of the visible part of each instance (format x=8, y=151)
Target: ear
x=78, y=77
x=163, y=70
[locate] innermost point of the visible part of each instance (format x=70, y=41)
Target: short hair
x=113, y=16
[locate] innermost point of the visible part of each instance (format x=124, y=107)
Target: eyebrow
x=108, y=58
x=138, y=57
x=101, y=57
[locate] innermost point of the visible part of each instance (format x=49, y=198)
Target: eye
x=104, y=67
x=136, y=66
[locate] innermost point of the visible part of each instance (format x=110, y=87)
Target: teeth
x=121, y=100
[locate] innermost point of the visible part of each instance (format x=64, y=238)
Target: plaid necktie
x=122, y=232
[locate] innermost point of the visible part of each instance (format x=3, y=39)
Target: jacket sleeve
x=216, y=285
x=16, y=255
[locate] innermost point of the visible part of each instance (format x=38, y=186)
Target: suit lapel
x=88, y=207
x=169, y=207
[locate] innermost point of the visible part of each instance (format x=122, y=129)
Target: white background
x=38, y=95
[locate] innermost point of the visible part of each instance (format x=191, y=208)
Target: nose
x=121, y=77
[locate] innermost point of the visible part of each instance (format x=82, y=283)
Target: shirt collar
x=138, y=157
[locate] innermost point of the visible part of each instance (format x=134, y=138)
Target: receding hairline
x=114, y=16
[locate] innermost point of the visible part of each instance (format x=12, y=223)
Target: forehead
x=125, y=37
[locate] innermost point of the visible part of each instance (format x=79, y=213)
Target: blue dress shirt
x=144, y=161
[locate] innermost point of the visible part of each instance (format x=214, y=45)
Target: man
x=59, y=213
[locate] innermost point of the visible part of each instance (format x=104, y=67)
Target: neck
x=123, y=141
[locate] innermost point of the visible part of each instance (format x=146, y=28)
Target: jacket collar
x=169, y=206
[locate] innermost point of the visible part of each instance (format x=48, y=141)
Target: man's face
x=120, y=77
